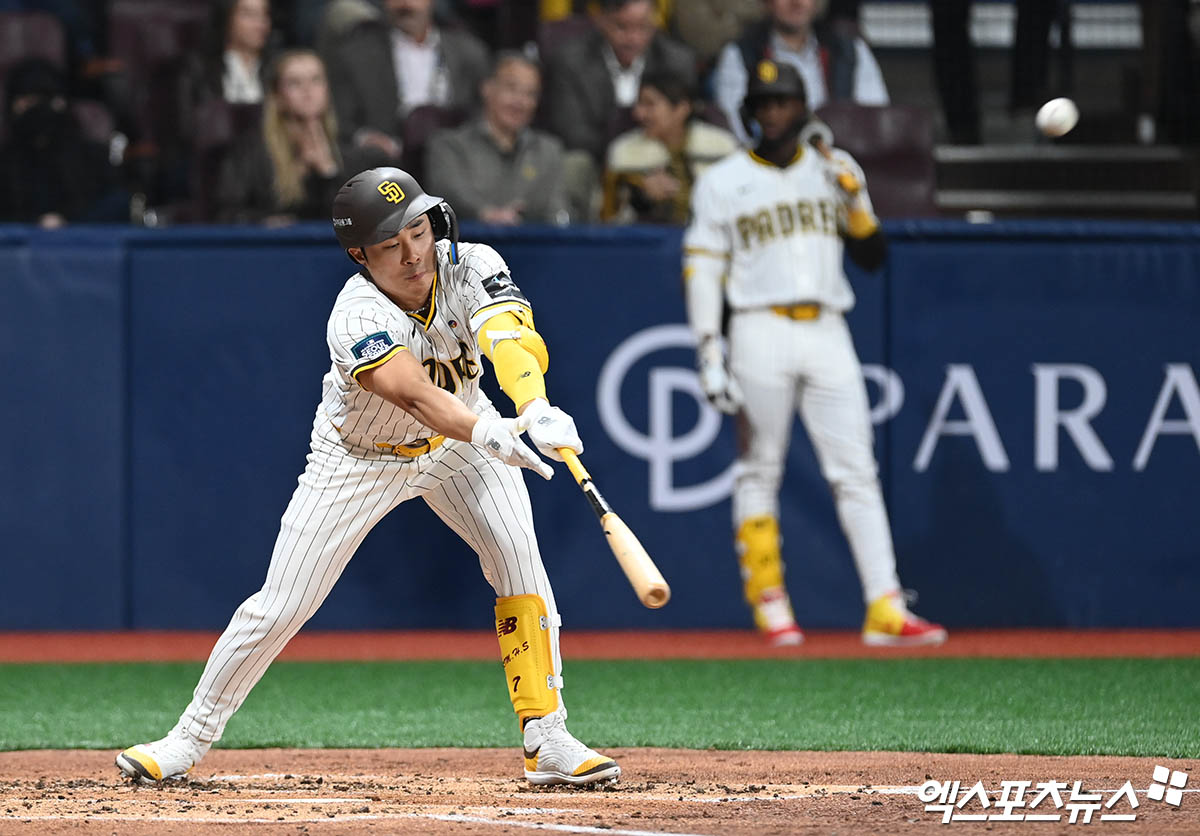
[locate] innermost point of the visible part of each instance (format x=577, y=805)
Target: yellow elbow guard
x=516, y=326
x=518, y=354
x=523, y=628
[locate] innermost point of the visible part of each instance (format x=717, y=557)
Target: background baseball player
x=770, y=224
x=402, y=416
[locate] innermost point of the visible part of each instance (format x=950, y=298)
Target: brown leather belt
x=800, y=311
x=412, y=449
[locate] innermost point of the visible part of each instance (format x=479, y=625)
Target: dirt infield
x=455, y=791
x=154, y=646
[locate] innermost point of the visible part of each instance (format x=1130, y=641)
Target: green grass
x=1049, y=706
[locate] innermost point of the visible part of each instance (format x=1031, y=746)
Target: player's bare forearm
x=403, y=382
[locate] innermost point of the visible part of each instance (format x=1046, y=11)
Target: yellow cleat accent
x=592, y=764
x=144, y=765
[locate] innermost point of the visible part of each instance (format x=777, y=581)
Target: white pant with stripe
x=340, y=499
x=784, y=366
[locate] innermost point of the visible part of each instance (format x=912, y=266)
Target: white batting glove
x=500, y=437
x=717, y=384
x=551, y=428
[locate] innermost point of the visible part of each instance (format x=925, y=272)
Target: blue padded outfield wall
x=1034, y=389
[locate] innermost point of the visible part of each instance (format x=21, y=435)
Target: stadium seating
x=894, y=145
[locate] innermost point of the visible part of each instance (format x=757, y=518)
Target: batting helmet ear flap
x=445, y=225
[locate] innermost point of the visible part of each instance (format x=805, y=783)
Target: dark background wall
x=158, y=391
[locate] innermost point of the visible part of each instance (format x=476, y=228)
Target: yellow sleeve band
x=518, y=355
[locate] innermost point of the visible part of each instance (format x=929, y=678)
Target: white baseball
x=1057, y=116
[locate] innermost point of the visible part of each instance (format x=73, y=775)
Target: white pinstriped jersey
x=366, y=329
x=778, y=228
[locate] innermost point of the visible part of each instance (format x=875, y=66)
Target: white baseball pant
x=339, y=499
x=783, y=365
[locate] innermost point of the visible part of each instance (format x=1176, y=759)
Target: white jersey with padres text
x=366, y=329
x=778, y=226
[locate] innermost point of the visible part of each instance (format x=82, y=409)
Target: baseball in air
x=1057, y=116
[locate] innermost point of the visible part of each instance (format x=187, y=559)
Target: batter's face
x=404, y=265
x=777, y=115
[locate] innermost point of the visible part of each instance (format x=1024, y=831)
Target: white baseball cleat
x=169, y=759
x=554, y=756
x=773, y=615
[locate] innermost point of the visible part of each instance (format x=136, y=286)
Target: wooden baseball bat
x=648, y=583
x=846, y=180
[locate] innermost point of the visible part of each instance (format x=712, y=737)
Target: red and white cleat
x=773, y=615
x=890, y=624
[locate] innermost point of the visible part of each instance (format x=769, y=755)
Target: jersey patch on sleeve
x=373, y=347
x=501, y=286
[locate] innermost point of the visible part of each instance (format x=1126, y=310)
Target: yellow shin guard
x=523, y=627
x=758, y=554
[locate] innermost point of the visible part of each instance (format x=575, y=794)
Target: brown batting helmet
x=771, y=79
x=376, y=204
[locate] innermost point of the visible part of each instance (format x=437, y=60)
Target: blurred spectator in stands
x=82, y=25
x=954, y=69
x=292, y=168
x=1170, y=72
x=651, y=169
x=788, y=35
x=50, y=173
x=337, y=18
x=954, y=64
x=559, y=9
x=502, y=24
x=592, y=83
x=383, y=69
x=235, y=58
x=496, y=168
x=707, y=25
x=840, y=31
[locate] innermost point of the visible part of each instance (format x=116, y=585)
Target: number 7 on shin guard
x=523, y=628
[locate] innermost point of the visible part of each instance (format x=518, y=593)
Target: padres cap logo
x=391, y=191
x=767, y=73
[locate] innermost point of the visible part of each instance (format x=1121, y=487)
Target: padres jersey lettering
x=366, y=329
x=778, y=228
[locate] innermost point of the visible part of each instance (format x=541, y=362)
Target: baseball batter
x=767, y=236
x=402, y=416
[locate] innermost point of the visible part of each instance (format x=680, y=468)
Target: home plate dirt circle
x=481, y=791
